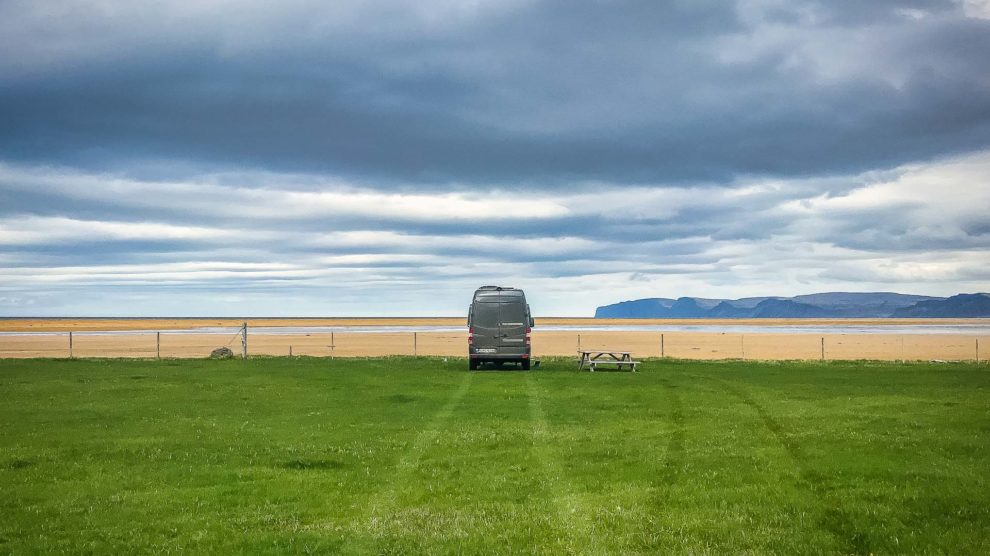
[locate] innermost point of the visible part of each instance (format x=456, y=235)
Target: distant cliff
x=819, y=305
x=959, y=306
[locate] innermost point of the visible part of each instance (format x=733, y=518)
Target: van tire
x=525, y=364
x=472, y=365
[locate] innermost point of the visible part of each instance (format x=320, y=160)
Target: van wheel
x=472, y=365
x=525, y=364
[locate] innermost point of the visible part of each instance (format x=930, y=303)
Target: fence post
x=661, y=346
x=823, y=348
x=244, y=341
x=742, y=345
x=579, y=342
x=70, y=344
x=290, y=350
x=414, y=345
x=158, y=345
x=977, y=350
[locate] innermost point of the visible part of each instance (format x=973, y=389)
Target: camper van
x=499, y=324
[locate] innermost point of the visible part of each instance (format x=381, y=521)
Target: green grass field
x=404, y=455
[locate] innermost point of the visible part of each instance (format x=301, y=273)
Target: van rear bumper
x=498, y=356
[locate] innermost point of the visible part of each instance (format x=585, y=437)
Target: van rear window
x=513, y=312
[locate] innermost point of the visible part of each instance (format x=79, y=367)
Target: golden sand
x=99, y=324
x=688, y=345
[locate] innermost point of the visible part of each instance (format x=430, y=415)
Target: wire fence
x=683, y=345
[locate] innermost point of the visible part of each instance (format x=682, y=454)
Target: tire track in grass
x=572, y=518
x=668, y=470
x=834, y=519
x=675, y=445
x=380, y=509
x=428, y=435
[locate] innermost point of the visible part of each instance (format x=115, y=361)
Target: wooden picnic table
x=591, y=358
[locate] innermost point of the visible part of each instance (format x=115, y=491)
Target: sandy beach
x=110, y=324
x=177, y=338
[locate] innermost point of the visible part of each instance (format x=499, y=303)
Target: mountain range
x=817, y=305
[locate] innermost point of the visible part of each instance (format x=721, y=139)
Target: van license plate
x=485, y=350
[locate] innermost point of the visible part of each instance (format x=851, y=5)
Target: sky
x=354, y=158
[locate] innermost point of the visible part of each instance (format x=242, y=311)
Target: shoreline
x=109, y=324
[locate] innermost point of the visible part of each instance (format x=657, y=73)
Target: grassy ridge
x=412, y=455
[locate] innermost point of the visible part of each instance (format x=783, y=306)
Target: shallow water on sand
x=924, y=329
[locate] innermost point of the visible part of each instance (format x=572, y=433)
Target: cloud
x=361, y=158
x=919, y=227
x=976, y=8
x=924, y=208
x=519, y=95
x=37, y=229
x=278, y=199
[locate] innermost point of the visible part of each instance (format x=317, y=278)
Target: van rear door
x=484, y=322
x=513, y=322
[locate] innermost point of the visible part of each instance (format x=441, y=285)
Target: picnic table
x=592, y=358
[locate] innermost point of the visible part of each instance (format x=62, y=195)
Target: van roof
x=494, y=288
x=505, y=295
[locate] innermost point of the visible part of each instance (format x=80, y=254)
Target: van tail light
x=471, y=336
x=528, y=339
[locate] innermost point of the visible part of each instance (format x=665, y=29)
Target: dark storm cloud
x=538, y=95
x=369, y=158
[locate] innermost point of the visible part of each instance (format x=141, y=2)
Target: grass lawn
x=404, y=455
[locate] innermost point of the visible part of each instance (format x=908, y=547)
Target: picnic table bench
x=592, y=358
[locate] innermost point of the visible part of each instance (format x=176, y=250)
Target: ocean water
x=962, y=329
